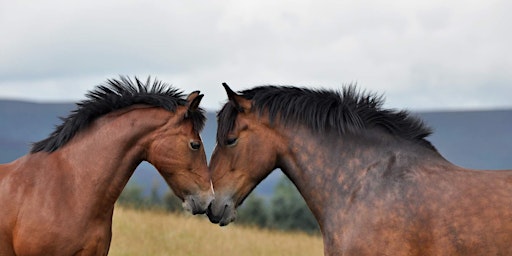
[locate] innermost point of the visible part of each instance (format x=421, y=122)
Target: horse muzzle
x=197, y=204
x=221, y=211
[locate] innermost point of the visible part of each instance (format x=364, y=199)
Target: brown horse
x=59, y=199
x=374, y=183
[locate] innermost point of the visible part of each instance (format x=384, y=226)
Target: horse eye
x=231, y=142
x=195, y=145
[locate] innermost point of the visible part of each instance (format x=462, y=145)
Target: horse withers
x=59, y=199
x=374, y=183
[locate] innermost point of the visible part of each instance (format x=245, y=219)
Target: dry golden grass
x=138, y=232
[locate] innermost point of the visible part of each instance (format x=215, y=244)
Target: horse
x=59, y=198
x=372, y=180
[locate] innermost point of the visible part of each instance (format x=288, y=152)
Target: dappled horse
x=374, y=183
x=59, y=199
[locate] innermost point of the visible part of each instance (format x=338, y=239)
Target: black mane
x=116, y=94
x=322, y=111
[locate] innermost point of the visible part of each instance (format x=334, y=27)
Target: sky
x=421, y=55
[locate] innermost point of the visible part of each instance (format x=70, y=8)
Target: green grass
x=138, y=232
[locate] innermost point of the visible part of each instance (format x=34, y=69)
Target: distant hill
x=471, y=139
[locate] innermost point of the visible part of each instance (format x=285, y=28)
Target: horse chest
x=61, y=240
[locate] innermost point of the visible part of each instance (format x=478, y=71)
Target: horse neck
x=103, y=157
x=329, y=169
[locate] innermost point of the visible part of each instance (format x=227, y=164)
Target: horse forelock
x=325, y=111
x=226, y=118
x=114, y=95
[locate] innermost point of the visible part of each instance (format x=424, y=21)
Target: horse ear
x=193, y=100
x=239, y=102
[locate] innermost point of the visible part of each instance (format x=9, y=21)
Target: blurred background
x=423, y=55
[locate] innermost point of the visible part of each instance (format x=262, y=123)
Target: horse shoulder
x=65, y=238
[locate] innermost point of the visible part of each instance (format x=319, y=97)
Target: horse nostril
x=209, y=208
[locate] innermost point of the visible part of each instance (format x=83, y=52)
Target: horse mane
x=116, y=94
x=324, y=111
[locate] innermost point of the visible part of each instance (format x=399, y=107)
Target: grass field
x=138, y=232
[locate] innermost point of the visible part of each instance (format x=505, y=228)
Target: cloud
x=427, y=55
x=65, y=40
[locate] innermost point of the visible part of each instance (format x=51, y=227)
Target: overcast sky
x=427, y=55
